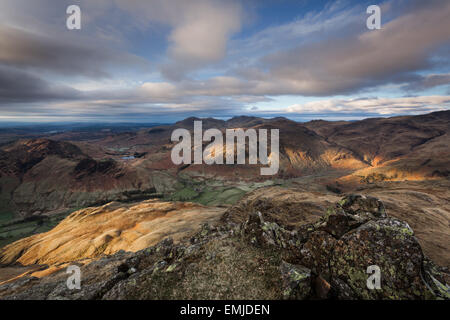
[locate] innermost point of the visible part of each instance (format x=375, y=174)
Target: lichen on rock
x=297, y=281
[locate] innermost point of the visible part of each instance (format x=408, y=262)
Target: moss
x=171, y=268
x=407, y=231
x=297, y=276
x=444, y=291
x=327, y=214
x=132, y=282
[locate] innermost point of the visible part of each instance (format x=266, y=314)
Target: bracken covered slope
x=91, y=232
x=398, y=148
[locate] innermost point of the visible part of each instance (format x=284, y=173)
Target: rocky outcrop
x=261, y=259
x=354, y=234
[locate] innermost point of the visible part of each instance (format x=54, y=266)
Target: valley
x=74, y=200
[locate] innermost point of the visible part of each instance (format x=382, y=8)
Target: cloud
x=118, y=110
x=200, y=29
x=25, y=49
x=380, y=106
x=323, y=66
x=428, y=82
x=17, y=86
x=332, y=52
x=204, y=65
x=202, y=32
x=299, y=31
x=348, y=64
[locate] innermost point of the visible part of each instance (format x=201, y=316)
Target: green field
x=5, y=217
x=11, y=231
x=213, y=192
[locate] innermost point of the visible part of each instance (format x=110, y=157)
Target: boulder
x=389, y=244
x=316, y=253
x=351, y=212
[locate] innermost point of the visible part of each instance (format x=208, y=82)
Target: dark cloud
x=17, y=86
x=63, y=55
x=428, y=82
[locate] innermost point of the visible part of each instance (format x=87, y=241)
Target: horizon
x=13, y=124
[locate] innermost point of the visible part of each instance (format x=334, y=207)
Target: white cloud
x=352, y=60
x=293, y=33
x=200, y=29
x=381, y=106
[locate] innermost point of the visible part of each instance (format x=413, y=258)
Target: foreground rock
x=296, y=281
x=262, y=259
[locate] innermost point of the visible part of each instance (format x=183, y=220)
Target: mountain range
x=115, y=196
x=59, y=172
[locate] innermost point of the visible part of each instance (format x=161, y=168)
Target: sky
x=165, y=60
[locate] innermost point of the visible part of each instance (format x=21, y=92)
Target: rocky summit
x=253, y=254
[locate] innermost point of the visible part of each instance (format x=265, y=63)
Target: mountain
x=42, y=175
x=47, y=175
x=414, y=147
